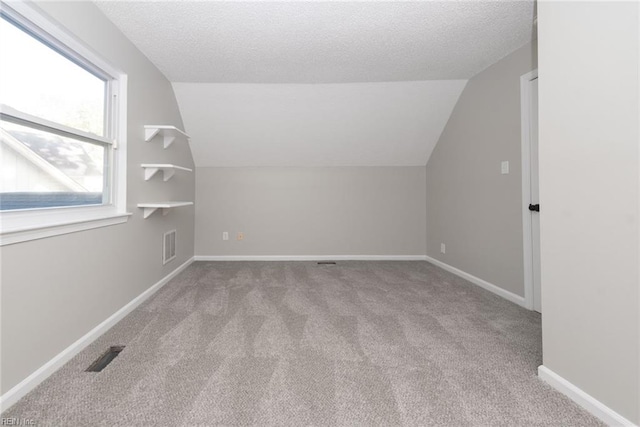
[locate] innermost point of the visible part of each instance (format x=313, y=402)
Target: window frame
x=29, y=224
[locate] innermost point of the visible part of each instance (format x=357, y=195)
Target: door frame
x=527, y=244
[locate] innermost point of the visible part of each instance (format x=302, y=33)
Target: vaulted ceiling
x=295, y=55
x=357, y=124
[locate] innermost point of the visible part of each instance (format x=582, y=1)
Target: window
x=62, y=130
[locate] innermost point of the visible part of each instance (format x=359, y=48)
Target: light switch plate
x=504, y=167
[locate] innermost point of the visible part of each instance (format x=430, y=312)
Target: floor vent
x=105, y=359
x=169, y=246
x=326, y=263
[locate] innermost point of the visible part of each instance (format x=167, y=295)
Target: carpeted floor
x=296, y=343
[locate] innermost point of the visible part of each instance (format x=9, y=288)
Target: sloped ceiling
x=355, y=124
x=319, y=83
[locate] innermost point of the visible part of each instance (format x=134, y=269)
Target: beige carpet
x=296, y=343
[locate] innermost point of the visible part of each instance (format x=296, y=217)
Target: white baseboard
x=517, y=299
x=42, y=373
x=310, y=258
x=588, y=402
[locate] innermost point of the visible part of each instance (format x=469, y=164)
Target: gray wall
x=471, y=206
x=311, y=211
x=589, y=158
x=55, y=290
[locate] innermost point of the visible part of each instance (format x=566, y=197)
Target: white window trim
x=61, y=129
x=30, y=224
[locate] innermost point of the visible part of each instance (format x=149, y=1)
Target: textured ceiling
x=355, y=124
x=401, y=68
x=322, y=42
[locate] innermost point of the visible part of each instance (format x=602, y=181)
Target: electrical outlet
x=225, y=235
x=443, y=248
x=240, y=235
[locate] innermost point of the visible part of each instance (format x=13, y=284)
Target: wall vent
x=105, y=359
x=169, y=247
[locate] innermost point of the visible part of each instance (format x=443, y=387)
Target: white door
x=535, y=200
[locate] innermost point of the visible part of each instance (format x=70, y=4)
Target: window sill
x=14, y=228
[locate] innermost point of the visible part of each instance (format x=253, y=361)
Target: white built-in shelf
x=168, y=170
x=168, y=133
x=150, y=208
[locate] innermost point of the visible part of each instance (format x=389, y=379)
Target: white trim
x=49, y=219
x=42, y=373
x=638, y=182
x=28, y=233
x=74, y=47
x=119, y=163
x=585, y=400
x=525, y=115
x=310, y=257
x=23, y=119
x=517, y=299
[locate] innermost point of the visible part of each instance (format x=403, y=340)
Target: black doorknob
x=534, y=208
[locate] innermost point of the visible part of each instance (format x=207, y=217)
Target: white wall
x=350, y=124
x=55, y=290
x=589, y=197
x=471, y=207
x=311, y=211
